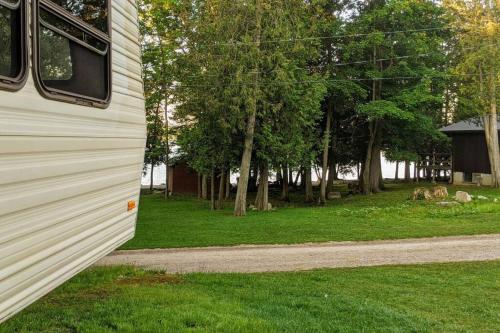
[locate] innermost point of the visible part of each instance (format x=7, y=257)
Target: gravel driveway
x=279, y=258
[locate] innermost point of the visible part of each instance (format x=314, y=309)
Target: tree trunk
x=308, y=184
x=284, y=186
x=204, y=187
x=376, y=180
x=222, y=179
x=212, y=190
x=240, y=204
x=372, y=180
x=252, y=180
x=331, y=172
x=367, y=166
x=415, y=170
x=326, y=145
x=491, y=133
x=228, y=184
x=151, y=182
x=167, y=147
x=428, y=172
x=199, y=186
x=396, y=177
x=279, y=178
x=262, y=200
x=407, y=171
x=296, y=181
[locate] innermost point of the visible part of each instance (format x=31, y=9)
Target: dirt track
x=278, y=258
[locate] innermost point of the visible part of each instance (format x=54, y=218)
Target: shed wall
x=470, y=153
x=183, y=179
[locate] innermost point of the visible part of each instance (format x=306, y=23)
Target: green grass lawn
x=188, y=222
x=429, y=298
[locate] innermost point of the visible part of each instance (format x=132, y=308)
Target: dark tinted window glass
x=71, y=60
x=94, y=12
x=53, y=21
x=10, y=42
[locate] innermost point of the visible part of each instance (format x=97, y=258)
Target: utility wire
x=291, y=40
x=338, y=80
x=421, y=55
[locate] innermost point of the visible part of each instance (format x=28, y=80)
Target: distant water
x=388, y=171
x=158, y=174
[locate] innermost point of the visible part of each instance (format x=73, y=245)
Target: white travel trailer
x=72, y=138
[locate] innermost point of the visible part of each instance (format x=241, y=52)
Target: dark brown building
x=182, y=179
x=471, y=163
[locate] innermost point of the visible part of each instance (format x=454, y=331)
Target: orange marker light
x=131, y=205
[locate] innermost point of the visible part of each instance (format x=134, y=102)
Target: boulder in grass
x=440, y=192
x=421, y=193
x=463, y=197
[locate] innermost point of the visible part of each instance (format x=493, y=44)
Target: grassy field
x=430, y=298
x=187, y=222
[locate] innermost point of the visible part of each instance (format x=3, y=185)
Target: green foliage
x=475, y=53
x=155, y=144
x=159, y=30
x=219, y=83
x=391, y=65
x=381, y=109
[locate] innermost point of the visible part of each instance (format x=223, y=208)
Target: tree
x=155, y=148
x=224, y=113
x=159, y=30
x=241, y=193
x=211, y=91
x=477, y=62
x=289, y=107
x=405, y=69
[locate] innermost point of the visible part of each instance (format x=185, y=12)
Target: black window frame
x=60, y=95
x=18, y=82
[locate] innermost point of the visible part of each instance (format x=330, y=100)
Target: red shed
x=182, y=179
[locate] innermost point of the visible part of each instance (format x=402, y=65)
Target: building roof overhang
x=472, y=125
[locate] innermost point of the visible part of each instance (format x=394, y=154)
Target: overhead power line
x=261, y=84
x=343, y=64
x=291, y=40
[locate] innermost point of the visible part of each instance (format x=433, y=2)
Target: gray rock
x=481, y=197
x=463, y=197
x=269, y=206
x=334, y=195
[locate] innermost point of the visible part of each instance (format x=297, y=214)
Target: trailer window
x=72, y=56
x=13, y=44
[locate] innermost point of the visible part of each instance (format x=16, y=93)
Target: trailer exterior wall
x=67, y=173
